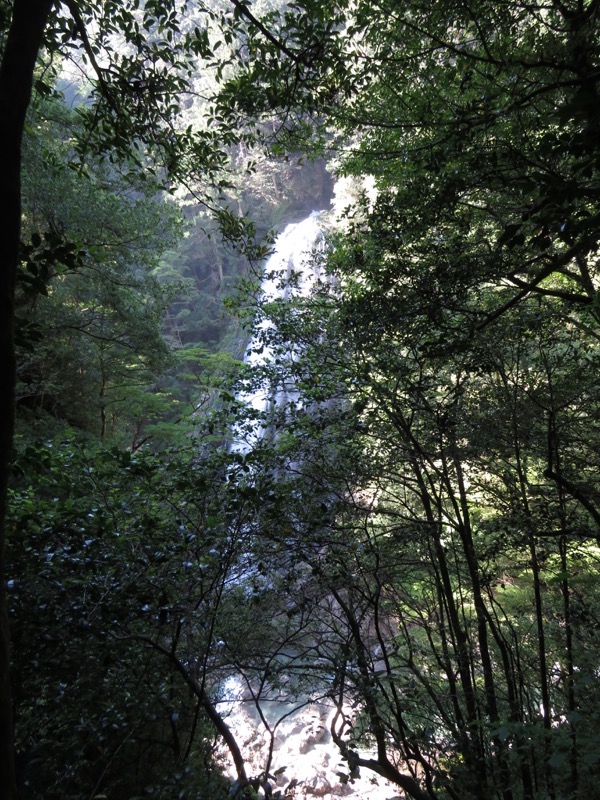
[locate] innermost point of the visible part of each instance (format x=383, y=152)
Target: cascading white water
x=290, y=271
x=305, y=760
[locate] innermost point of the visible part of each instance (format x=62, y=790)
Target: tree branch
x=243, y=9
x=211, y=712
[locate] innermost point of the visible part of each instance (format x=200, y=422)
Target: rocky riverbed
x=306, y=763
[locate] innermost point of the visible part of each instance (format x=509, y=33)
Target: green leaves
x=88, y=312
x=45, y=257
x=457, y=332
x=428, y=496
x=105, y=549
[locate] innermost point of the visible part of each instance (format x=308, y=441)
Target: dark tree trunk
x=23, y=42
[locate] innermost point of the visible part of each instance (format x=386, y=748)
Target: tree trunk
x=23, y=41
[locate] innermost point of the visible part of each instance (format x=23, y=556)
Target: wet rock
x=342, y=790
x=311, y=735
x=317, y=785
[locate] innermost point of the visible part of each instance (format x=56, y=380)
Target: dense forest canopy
x=413, y=538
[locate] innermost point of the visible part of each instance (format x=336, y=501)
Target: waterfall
x=289, y=272
x=276, y=717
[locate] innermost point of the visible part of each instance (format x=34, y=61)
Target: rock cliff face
x=306, y=763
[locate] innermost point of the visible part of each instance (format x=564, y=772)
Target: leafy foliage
x=116, y=557
x=415, y=534
x=462, y=338
x=89, y=311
